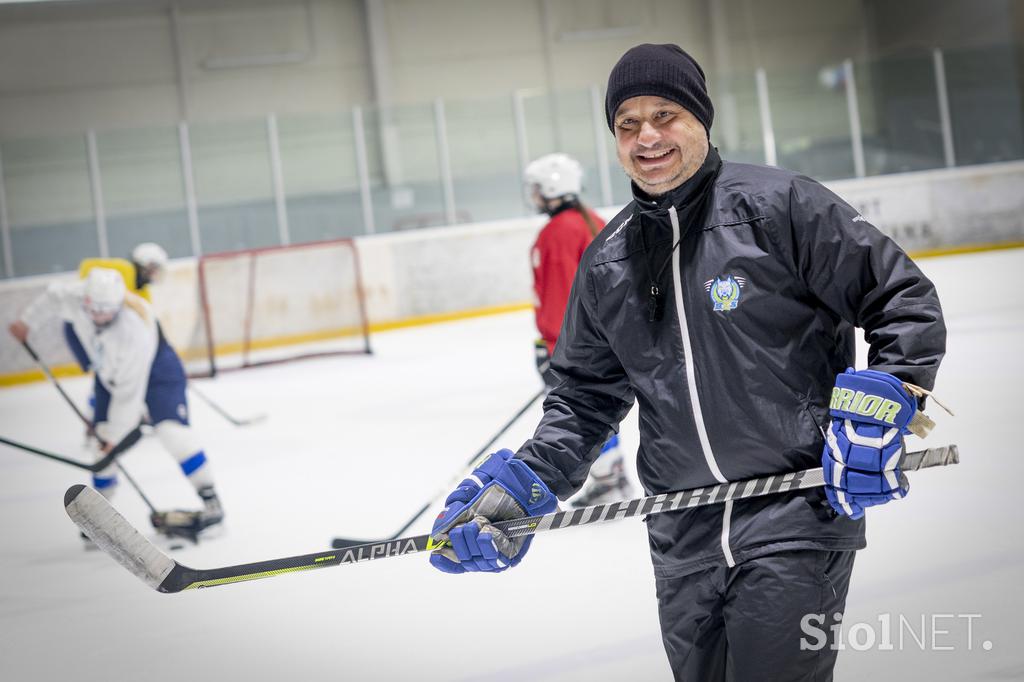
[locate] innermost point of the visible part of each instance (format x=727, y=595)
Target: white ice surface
x=354, y=446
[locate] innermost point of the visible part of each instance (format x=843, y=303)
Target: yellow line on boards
x=449, y=317
x=963, y=249
x=28, y=376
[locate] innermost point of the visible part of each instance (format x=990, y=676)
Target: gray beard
x=677, y=181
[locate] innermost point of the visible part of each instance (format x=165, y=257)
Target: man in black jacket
x=724, y=300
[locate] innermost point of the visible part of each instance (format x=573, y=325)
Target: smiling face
x=659, y=143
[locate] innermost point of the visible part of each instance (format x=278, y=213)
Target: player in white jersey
x=137, y=373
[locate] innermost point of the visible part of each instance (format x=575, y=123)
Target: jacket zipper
x=691, y=382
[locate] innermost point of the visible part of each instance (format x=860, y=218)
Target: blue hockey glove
x=499, y=489
x=864, y=443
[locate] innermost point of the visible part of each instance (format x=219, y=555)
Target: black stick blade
x=72, y=493
x=114, y=535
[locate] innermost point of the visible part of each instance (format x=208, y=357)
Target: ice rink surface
x=353, y=446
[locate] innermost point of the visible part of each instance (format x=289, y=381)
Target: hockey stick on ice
x=341, y=543
x=127, y=442
x=255, y=419
x=131, y=438
x=109, y=530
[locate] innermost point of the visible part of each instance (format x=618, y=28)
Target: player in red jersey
x=554, y=182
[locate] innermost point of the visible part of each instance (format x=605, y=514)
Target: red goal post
x=280, y=303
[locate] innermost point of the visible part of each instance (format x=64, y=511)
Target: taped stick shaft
x=112, y=533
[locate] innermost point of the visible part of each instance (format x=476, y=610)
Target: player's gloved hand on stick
x=499, y=489
x=864, y=443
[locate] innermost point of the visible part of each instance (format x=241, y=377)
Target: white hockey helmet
x=148, y=254
x=150, y=261
x=555, y=175
x=104, y=294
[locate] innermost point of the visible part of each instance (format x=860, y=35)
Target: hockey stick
x=224, y=413
x=341, y=543
x=118, y=538
x=136, y=433
x=127, y=442
x=56, y=384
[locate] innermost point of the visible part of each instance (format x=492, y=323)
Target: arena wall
x=446, y=273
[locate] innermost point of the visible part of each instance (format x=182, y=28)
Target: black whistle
x=655, y=305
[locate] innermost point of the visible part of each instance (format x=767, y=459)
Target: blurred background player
x=147, y=265
x=554, y=183
x=136, y=373
x=150, y=261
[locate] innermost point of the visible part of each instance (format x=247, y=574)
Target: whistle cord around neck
x=655, y=299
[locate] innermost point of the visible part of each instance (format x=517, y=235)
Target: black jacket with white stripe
x=761, y=276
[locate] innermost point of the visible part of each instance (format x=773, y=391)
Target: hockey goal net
x=276, y=304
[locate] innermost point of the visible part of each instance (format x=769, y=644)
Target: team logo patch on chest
x=725, y=291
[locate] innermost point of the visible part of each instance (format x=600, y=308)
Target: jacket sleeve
x=585, y=408
x=862, y=276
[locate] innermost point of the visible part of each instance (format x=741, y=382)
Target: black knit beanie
x=662, y=71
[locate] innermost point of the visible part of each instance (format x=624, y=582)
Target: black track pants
x=744, y=623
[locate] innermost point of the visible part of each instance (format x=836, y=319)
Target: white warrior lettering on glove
x=871, y=412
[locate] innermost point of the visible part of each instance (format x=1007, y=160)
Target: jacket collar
x=683, y=195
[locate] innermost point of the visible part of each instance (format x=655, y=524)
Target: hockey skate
x=610, y=486
x=181, y=523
